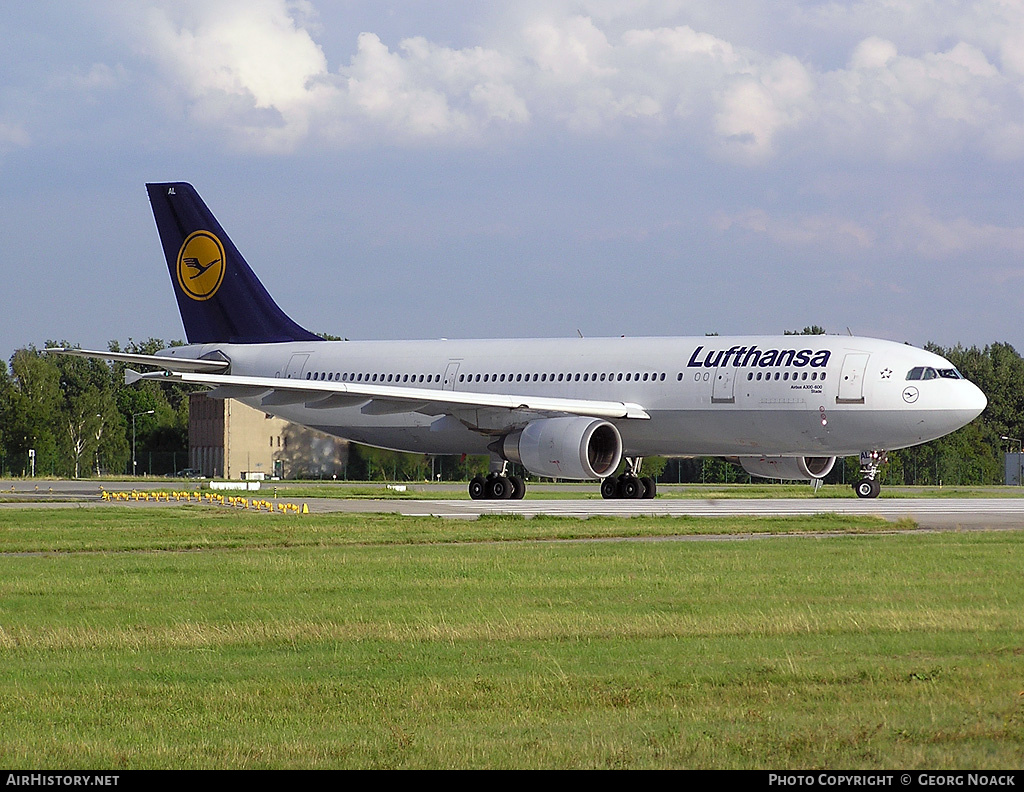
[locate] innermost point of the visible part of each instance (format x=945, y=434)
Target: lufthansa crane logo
x=201, y=265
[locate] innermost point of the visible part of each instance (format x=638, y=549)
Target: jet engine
x=788, y=468
x=574, y=447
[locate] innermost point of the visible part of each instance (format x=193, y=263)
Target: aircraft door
x=851, y=380
x=451, y=375
x=296, y=366
x=723, y=389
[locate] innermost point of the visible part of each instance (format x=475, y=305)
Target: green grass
x=195, y=527
x=191, y=638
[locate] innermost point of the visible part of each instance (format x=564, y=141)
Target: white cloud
x=912, y=107
x=12, y=136
x=570, y=49
x=255, y=69
x=230, y=57
x=424, y=91
x=806, y=231
x=934, y=238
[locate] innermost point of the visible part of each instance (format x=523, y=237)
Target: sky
x=477, y=169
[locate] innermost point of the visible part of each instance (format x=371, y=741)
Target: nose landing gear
x=868, y=485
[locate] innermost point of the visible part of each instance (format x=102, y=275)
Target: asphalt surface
x=935, y=513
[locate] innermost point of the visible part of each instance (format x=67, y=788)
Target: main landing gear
x=868, y=485
x=630, y=485
x=497, y=486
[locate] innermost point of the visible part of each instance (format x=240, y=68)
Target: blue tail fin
x=219, y=296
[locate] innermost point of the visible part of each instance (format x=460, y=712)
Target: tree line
x=77, y=416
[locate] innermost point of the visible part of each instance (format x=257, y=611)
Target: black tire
x=650, y=487
x=629, y=487
x=478, y=488
x=867, y=488
x=518, y=487
x=609, y=488
x=499, y=488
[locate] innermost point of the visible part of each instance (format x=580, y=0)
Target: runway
x=938, y=513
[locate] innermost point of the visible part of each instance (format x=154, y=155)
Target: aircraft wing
x=163, y=361
x=385, y=399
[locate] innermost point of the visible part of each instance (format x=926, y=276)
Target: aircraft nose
x=973, y=400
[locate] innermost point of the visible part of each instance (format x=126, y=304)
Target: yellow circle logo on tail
x=201, y=265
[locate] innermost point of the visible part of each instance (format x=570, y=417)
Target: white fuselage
x=706, y=396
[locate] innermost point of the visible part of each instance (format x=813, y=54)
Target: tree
x=34, y=402
x=810, y=330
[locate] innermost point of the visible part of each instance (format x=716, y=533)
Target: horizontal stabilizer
x=167, y=362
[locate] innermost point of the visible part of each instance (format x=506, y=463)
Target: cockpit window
x=928, y=373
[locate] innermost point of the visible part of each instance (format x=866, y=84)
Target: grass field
x=188, y=637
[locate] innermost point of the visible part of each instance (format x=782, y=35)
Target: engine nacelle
x=574, y=447
x=788, y=468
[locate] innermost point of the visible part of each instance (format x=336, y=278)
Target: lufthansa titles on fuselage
x=742, y=356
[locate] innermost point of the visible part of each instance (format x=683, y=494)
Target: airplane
x=782, y=407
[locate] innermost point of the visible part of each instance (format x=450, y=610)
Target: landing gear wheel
x=630, y=487
x=518, y=487
x=478, y=488
x=499, y=488
x=867, y=488
x=650, y=487
x=609, y=488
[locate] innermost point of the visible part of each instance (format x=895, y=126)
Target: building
x=228, y=439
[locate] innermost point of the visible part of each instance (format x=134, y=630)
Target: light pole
x=134, y=416
x=1012, y=440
